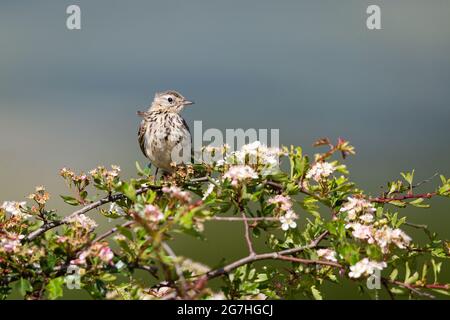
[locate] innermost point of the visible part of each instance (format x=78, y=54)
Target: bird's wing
x=141, y=136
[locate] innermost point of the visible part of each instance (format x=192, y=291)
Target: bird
x=163, y=132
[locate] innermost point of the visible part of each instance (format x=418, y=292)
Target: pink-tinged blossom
x=360, y=231
x=177, y=193
x=152, y=213
x=81, y=260
x=327, y=254
x=105, y=254
x=357, y=206
x=367, y=218
x=288, y=221
x=284, y=202
x=99, y=250
x=240, y=173
x=385, y=236
x=320, y=171
x=366, y=268
x=10, y=243
x=82, y=221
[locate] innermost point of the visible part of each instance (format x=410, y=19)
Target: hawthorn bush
x=347, y=233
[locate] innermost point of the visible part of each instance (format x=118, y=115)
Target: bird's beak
x=187, y=102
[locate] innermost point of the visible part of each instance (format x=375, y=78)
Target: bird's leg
x=156, y=172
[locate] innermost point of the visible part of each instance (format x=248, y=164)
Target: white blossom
x=285, y=202
x=240, y=173
x=320, y=171
x=327, y=254
x=288, y=220
x=255, y=154
x=365, y=267
x=152, y=213
x=357, y=206
x=14, y=208
x=367, y=218
x=177, y=193
x=10, y=243
x=82, y=221
x=360, y=231
x=209, y=190
x=386, y=235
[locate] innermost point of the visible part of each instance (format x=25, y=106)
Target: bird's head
x=170, y=101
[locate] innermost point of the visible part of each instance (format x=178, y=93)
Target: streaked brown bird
x=163, y=135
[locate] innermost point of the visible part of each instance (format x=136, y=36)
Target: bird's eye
x=170, y=100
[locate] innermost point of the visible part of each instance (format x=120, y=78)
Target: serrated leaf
x=54, y=288
x=129, y=191
x=408, y=176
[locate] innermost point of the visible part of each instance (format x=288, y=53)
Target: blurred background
x=308, y=68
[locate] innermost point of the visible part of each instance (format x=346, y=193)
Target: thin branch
x=415, y=185
x=112, y=231
x=405, y=197
x=242, y=219
x=112, y=198
x=178, y=269
x=248, y=238
x=265, y=256
x=413, y=289
x=308, y=261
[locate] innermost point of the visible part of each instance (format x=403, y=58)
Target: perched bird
x=163, y=133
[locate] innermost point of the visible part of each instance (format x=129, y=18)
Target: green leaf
x=70, y=200
x=413, y=278
x=129, y=191
x=54, y=288
x=393, y=275
x=24, y=286
x=436, y=269
x=397, y=291
x=441, y=291
x=408, y=176
x=316, y=293
x=418, y=203
x=108, y=277
x=408, y=271
x=262, y=277
x=398, y=203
